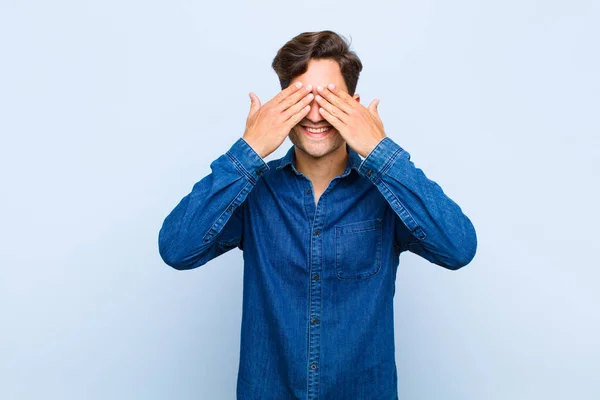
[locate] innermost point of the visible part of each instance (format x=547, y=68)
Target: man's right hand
x=267, y=126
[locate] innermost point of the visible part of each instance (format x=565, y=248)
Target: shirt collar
x=354, y=160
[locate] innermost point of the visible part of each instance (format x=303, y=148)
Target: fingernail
x=299, y=84
x=309, y=88
x=319, y=88
x=331, y=86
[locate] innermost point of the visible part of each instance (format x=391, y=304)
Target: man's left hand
x=361, y=127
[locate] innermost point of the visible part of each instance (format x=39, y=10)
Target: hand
x=267, y=126
x=360, y=127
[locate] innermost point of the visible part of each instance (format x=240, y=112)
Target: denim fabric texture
x=319, y=279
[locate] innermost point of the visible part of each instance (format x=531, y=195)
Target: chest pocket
x=358, y=249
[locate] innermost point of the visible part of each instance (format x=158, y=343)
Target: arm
x=209, y=221
x=432, y=225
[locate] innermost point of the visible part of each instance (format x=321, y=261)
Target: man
x=321, y=231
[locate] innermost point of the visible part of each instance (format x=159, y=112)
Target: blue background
x=110, y=111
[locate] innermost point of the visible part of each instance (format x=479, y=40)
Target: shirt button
x=259, y=172
x=370, y=172
x=315, y=277
x=317, y=232
x=314, y=366
x=308, y=191
x=314, y=321
x=230, y=208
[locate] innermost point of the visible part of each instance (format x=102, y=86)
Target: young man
x=321, y=231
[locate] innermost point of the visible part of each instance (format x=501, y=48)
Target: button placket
x=315, y=298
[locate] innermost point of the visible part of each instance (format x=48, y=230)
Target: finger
x=297, y=117
x=295, y=97
x=334, y=96
x=373, y=107
x=254, y=104
x=340, y=93
x=286, y=92
x=332, y=119
x=331, y=109
x=305, y=101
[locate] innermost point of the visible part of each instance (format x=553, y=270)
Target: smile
x=317, y=132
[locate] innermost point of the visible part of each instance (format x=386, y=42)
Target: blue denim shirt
x=319, y=279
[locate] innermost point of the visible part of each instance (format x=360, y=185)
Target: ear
x=356, y=97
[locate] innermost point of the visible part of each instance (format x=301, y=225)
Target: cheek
x=295, y=132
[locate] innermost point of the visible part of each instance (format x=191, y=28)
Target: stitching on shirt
x=387, y=165
x=214, y=229
x=346, y=228
x=391, y=160
x=411, y=223
x=240, y=167
x=339, y=233
x=310, y=272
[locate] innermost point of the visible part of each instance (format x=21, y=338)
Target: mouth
x=317, y=132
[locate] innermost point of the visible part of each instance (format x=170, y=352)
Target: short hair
x=292, y=59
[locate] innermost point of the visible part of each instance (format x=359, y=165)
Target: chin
x=316, y=148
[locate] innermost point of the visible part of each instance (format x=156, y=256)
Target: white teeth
x=317, y=130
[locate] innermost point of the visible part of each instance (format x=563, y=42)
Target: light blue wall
x=111, y=110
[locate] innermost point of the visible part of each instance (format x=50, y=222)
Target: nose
x=314, y=115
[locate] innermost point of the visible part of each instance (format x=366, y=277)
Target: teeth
x=317, y=130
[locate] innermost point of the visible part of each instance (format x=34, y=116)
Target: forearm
x=441, y=232
x=188, y=237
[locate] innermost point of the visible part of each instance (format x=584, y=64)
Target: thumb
x=254, y=103
x=373, y=107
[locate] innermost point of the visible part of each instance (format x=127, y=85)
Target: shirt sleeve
x=431, y=224
x=209, y=221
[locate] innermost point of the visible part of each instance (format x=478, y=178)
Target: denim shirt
x=319, y=279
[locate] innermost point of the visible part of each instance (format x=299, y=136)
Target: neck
x=322, y=170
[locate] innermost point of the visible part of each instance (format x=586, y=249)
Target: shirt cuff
x=380, y=159
x=247, y=160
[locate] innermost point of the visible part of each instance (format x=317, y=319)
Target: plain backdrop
x=111, y=110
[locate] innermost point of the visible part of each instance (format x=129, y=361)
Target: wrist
x=254, y=147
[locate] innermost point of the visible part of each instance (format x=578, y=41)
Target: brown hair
x=292, y=59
